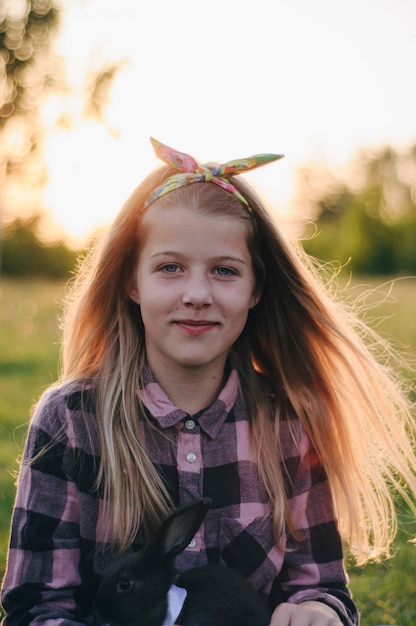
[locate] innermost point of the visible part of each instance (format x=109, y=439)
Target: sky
x=316, y=80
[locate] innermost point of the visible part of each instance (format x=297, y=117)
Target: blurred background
x=84, y=83
x=331, y=83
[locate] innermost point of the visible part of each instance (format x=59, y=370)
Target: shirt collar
x=167, y=414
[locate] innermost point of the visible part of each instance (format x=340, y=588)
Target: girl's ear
x=132, y=290
x=133, y=294
x=255, y=298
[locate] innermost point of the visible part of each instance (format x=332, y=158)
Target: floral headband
x=189, y=171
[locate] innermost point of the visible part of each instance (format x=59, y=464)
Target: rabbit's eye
x=124, y=584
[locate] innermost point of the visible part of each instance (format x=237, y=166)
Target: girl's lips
x=196, y=327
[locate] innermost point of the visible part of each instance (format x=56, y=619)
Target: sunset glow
x=316, y=81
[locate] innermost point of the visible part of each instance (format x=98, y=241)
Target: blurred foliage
x=98, y=90
x=24, y=254
x=28, y=69
x=368, y=220
x=25, y=29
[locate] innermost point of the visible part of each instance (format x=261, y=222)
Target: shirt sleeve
x=45, y=581
x=313, y=567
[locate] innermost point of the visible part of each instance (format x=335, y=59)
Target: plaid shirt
x=54, y=565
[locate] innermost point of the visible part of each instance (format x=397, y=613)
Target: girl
x=202, y=357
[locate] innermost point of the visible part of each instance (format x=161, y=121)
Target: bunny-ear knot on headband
x=189, y=171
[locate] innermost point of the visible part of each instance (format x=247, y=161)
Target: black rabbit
x=134, y=591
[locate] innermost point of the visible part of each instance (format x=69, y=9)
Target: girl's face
x=195, y=286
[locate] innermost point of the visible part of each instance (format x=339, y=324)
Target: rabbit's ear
x=177, y=530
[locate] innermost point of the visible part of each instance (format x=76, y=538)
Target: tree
x=26, y=71
x=369, y=220
x=25, y=29
x=25, y=255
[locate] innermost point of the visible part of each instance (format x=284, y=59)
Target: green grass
x=386, y=593
x=28, y=363
x=29, y=351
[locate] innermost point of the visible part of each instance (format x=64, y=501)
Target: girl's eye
x=170, y=268
x=224, y=271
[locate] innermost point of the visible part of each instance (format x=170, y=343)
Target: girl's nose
x=197, y=293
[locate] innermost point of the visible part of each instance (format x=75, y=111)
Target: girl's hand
x=309, y=613
x=305, y=614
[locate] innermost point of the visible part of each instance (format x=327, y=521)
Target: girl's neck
x=192, y=389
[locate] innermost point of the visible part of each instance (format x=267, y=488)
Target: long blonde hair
x=299, y=350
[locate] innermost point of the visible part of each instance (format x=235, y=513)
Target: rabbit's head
x=135, y=589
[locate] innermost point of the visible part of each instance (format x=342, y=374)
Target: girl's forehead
x=186, y=229
x=183, y=215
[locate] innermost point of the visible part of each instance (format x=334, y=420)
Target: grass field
x=385, y=594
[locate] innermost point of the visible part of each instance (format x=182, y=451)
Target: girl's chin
x=198, y=362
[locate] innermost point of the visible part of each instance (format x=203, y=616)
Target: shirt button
x=191, y=457
x=189, y=424
x=192, y=543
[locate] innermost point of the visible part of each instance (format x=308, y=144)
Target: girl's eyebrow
x=217, y=259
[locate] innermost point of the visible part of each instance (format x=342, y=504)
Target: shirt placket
x=189, y=464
